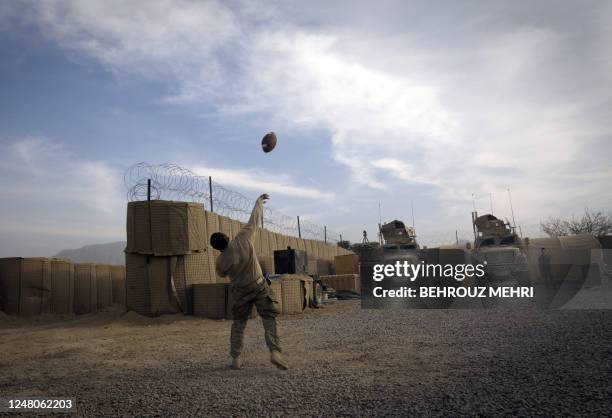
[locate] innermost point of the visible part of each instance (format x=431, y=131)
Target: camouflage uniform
x=239, y=262
x=267, y=307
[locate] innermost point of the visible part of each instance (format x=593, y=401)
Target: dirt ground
x=344, y=361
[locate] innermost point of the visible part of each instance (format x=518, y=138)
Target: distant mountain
x=111, y=253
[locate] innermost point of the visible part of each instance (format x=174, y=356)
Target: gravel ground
x=344, y=361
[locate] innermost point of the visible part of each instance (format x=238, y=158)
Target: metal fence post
x=210, y=192
x=325, y=232
x=299, y=229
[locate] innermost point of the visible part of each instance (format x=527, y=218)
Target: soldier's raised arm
x=247, y=232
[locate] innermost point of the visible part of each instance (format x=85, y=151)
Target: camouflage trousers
x=267, y=307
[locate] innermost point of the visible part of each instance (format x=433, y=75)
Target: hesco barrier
x=62, y=286
x=572, y=257
x=104, y=285
x=188, y=270
x=267, y=242
x=34, y=286
x=85, y=288
x=25, y=285
x=296, y=291
x=276, y=289
x=164, y=228
x=342, y=282
x=168, y=251
x=214, y=301
x=148, y=290
x=225, y=226
x=209, y=300
x=118, y=284
x=346, y=264
x=160, y=227
x=267, y=264
x=323, y=267
x=157, y=285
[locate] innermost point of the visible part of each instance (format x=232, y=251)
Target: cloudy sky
x=390, y=102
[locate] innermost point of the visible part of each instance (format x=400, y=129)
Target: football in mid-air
x=268, y=142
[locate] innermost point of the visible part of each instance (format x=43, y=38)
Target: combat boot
x=236, y=363
x=277, y=359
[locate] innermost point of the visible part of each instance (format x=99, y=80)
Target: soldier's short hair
x=219, y=241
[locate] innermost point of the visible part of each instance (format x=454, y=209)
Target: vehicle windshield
x=408, y=247
x=487, y=242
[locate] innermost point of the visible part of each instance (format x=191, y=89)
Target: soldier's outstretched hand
x=264, y=197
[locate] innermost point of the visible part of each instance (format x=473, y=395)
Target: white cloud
x=152, y=39
x=263, y=182
x=501, y=105
x=38, y=169
x=55, y=197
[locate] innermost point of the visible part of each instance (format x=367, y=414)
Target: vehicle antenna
x=511, y=208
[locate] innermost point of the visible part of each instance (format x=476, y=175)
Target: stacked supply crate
x=165, y=255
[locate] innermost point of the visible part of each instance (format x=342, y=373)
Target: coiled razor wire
x=172, y=182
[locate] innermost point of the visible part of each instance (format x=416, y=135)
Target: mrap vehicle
x=497, y=245
x=400, y=242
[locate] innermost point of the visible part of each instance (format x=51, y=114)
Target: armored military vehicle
x=399, y=241
x=497, y=245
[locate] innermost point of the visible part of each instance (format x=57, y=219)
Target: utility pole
x=210, y=193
